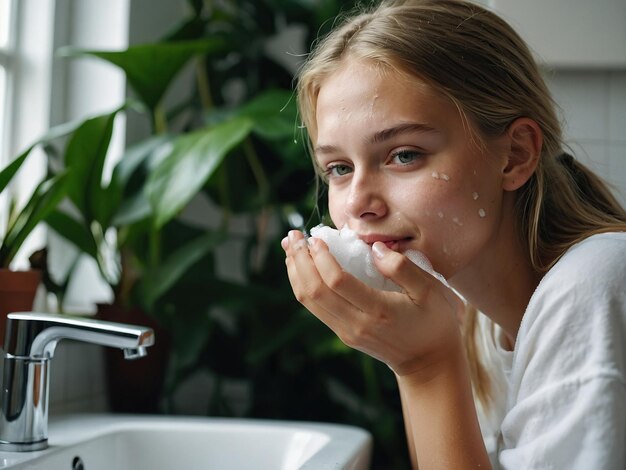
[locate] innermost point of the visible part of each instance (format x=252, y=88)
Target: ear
x=525, y=141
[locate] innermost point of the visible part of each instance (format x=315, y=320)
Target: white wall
x=593, y=106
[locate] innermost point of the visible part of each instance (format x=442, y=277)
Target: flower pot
x=17, y=293
x=135, y=386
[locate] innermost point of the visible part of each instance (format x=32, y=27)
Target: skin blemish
x=457, y=221
x=474, y=195
x=440, y=176
x=372, y=105
x=482, y=213
x=440, y=215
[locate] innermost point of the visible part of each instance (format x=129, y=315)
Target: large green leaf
x=137, y=155
x=157, y=281
x=73, y=231
x=85, y=156
x=193, y=159
x=44, y=199
x=132, y=209
x=150, y=68
x=274, y=114
x=133, y=200
x=8, y=172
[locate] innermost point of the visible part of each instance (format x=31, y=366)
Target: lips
x=393, y=242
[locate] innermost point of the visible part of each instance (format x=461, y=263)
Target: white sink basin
x=186, y=443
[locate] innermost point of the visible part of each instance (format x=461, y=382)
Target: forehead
x=363, y=91
x=365, y=76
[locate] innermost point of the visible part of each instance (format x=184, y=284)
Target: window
x=26, y=35
x=6, y=43
x=6, y=31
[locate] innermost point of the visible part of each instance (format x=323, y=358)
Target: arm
x=440, y=418
x=415, y=332
x=407, y=427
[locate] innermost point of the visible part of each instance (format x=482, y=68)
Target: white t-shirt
x=564, y=381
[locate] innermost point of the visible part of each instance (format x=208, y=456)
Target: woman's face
x=402, y=167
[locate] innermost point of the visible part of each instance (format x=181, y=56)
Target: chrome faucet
x=30, y=341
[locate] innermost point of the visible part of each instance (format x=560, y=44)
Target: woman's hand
x=410, y=331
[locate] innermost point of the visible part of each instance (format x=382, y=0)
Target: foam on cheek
x=355, y=256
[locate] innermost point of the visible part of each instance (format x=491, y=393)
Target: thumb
x=414, y=279
x=401, y=270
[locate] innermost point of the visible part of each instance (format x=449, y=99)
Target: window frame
x=7, y=65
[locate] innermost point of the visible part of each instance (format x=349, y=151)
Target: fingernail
x=314, y=244
x=379, y=249
x=284, y=243
x=300, y=244
x=292, y=235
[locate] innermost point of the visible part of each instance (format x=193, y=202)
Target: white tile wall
x=593, y=107
x=77, y=379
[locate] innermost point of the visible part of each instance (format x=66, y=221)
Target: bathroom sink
x=114, y=442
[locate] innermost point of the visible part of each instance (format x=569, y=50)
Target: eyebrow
x=384, y=135
x=387, y=134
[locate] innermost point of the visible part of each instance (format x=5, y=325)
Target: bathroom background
x=581, y=43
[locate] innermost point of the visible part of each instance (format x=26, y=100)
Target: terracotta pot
x=135, y=386
x=17, y=293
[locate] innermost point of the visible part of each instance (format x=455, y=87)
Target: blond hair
x=482, y=65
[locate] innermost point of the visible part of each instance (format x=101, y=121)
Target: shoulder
x=567, y=381
x=576, y=319
x=598, y=254
x=588, y=272
x=568, y=378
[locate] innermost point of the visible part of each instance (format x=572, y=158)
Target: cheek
x=337, y=208
x=451, y=225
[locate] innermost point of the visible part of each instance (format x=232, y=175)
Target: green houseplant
x=18, y=288
x=235, y=141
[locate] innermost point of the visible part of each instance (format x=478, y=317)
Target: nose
x=365, y=198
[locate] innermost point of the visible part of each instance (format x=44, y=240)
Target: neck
x=500, y=284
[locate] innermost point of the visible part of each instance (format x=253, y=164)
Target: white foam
x=355, y=256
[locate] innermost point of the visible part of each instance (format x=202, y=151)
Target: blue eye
x=338, y=170
x=405, y=157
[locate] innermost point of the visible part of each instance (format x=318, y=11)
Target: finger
x=310, y=289
x=293, y=241
x=354, y=291
x=416, y=282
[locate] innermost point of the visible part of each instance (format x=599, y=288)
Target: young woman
x=434, y=131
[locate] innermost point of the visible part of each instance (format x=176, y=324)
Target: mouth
x=392, y=242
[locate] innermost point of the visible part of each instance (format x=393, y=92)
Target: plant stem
x=257, y=170
x=204, y=87
x=155, y=247
x=101, y=244
x=159, y=119
x=224, y=199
